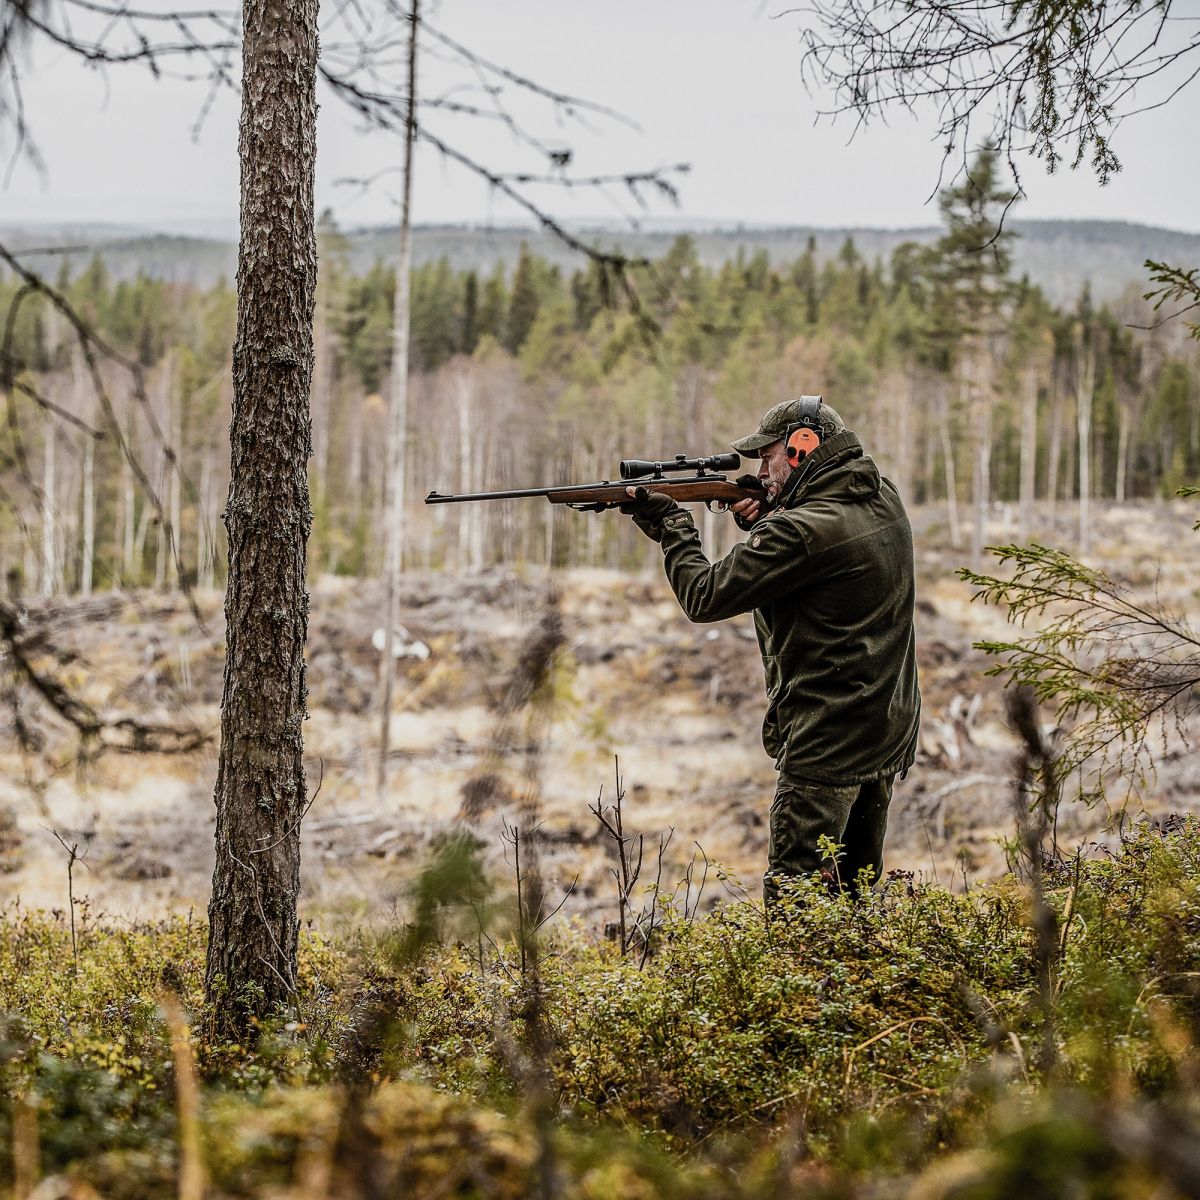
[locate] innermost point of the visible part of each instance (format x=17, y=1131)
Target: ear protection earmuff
x=804, y=436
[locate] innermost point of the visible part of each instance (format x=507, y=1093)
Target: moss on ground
x=901, y=1045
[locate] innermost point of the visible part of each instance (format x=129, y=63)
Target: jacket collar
x=831, y=454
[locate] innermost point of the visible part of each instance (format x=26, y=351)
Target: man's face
x=774, y=468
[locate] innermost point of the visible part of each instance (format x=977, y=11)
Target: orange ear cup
x=801, y=444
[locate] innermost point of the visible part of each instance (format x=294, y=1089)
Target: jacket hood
x=837, y=470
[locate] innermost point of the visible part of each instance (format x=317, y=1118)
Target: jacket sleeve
x=768, y=565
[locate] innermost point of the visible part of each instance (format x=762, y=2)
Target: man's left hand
x=648, y=509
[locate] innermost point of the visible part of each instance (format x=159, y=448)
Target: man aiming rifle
x=828, y=573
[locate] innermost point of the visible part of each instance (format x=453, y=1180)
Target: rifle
x=708, y=485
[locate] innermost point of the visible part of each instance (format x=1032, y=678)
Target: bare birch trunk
x=904, y=458
x=1123, y=424
x=983, y=480
x=260, y=791
x=464, y=395
x=88, y=549
x=165, y=416
x=128, y=507
x=951, y=477
x=1055, y=452
x=205, y=549
x=975, y=402
x=175, y=488
x=398, y=416
x=486, y=464
x=50, y=509
x=354, y=467
x=145, y=516
x=1083, y=418
x=1028, y=443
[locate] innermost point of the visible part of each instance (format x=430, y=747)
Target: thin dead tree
x=398, y=419
x=360, y=71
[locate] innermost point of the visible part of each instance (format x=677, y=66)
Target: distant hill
x=1059, y=255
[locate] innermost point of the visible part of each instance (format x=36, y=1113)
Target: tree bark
x=260, y=790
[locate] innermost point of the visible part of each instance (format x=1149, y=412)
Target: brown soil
x=679, y=704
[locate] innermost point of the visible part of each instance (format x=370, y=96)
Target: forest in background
x=967, y=385
x=1057, y=255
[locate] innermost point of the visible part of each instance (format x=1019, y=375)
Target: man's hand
x=648, y=509
x=746, y=512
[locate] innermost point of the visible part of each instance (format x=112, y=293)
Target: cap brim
x=754, y=443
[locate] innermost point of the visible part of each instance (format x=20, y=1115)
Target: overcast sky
x=714, y=83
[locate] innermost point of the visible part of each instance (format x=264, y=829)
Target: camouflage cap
x=775, y=424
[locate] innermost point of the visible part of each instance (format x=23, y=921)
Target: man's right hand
x=746, y=512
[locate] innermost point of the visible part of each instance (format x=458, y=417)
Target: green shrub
x=814, y=1053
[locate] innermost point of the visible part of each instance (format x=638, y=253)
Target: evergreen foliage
x=931, y=357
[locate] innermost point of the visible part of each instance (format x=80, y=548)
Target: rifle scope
x=636, y=468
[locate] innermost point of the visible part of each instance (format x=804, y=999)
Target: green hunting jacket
x=829, y=576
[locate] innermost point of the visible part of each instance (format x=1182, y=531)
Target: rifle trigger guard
x=716, y=506
x=597, y=507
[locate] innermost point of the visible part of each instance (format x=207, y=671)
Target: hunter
x=828, y=572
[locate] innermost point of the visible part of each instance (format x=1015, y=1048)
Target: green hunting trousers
x=852, y=815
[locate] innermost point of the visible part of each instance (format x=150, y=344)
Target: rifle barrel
x=614, y=487
x=438, y=498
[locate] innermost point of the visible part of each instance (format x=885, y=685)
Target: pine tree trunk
x=398, y=419
x=260, y=790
